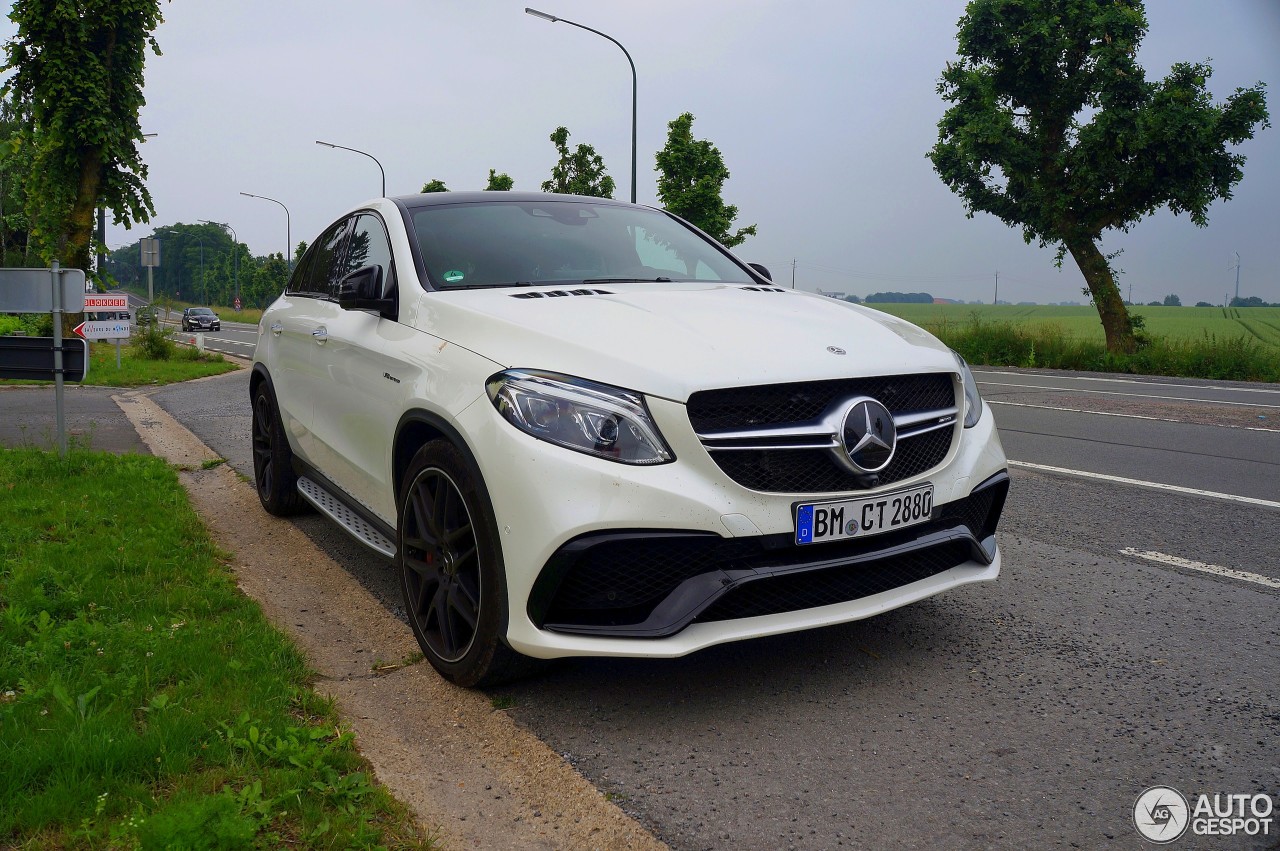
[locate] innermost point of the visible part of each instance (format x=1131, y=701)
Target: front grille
x=790, y=592
x=804, y=471
x=775, y=404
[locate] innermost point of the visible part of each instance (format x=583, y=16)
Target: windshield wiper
x=488, y=286
x=658, y=280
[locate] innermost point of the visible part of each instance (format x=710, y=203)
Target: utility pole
x=1131, y=294
x=1237, y=253
x=793, y=273
x=995, y=299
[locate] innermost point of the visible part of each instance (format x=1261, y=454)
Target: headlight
x=972, y=401
x=597, y=419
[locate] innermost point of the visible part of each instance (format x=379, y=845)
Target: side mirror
x=362, y=290
x=762, y=270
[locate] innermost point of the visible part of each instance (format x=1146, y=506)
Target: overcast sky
x=823, y=109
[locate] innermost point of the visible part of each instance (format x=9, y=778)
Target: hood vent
x=764, y=289
x=561, y=293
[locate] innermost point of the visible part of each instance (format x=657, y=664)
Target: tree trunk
x=1106, y=295
x=77, y=252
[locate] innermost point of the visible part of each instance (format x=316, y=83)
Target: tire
x=451, y=571
x=273, y=474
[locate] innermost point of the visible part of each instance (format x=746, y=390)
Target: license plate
x=817, y=522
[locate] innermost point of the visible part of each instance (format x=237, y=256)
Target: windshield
x=512, y=243
x=201, y=311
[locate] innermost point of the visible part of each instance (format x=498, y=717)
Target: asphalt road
x=1131, y=640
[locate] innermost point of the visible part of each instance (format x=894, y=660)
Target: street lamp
x=367, y=154
x=288, y=236
x=203, y=281
x=553, y=19
x=235, y=252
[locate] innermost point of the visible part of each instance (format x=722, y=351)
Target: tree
x=499, y=182
x=435, y=186
x=1054, y=128
x=1172, y=300
x=75, y=93
x=691, y=175
x=580, y=172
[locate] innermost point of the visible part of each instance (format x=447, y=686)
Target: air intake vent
x=764, y=289
x=559, y=293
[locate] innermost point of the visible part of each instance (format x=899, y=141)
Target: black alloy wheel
x=273, y=474
x=443, y=579
x=451, y=570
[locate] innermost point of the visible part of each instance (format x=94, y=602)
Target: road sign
x=93, y=303
x=150, y=251
x=32, y=358
x=237, y=304
x=109, y=330
x=31, y=290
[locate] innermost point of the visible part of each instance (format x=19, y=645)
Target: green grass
x=144, y=701
x=1048, y=346
x=1172, y=323
x=1192, y=342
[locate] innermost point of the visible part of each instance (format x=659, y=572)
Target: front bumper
x=724, y=551
x=654, y=584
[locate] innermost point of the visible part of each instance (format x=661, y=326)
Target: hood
x=673, y=339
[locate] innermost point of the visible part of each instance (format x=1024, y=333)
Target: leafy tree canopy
x=899, y=298
x=1172, y=300
x=691, y=175
x=578, y=172
x=434, y=186
x=75, y=92
x=499, y=182
x=1054, y=128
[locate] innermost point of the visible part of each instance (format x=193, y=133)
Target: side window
x=298, y=280
x=369, y=246
x=326, y=267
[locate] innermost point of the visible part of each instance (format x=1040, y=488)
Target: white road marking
x=1128, y=416
x=1266, y=503
x=1215, y=570
x=1127, y=381
x=1132, y=395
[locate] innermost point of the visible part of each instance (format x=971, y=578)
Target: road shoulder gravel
x=467, y=770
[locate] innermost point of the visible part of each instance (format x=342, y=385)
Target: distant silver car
x=200, y=319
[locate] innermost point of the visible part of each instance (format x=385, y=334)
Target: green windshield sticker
x=453, y=276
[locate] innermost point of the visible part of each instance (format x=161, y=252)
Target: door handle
x=320, y=334
x=277, y=328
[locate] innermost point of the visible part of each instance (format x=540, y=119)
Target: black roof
x=427, y=199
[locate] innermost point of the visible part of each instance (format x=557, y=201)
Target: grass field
x=1174, y=323
x=145, y=702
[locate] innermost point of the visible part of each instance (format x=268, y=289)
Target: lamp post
x=367, y=154
x=235, y=252
x=288, y=235
x=204, y=284
x=553, y=19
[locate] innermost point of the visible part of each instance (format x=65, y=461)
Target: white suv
x=581, y=427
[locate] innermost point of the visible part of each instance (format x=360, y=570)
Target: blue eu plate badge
x=804, y=524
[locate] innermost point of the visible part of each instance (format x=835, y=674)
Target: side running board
x=338, y=511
